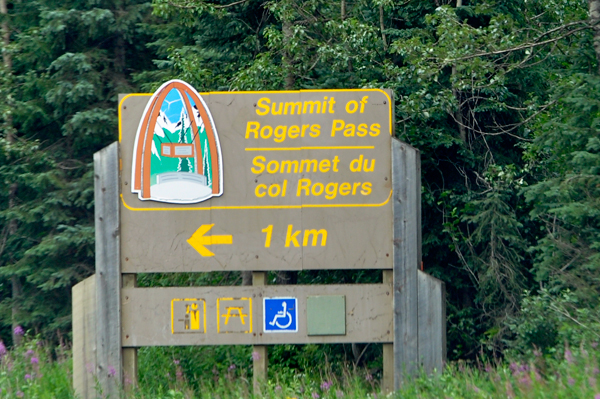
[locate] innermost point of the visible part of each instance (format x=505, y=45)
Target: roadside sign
x=280, y=315
x=285, y=180
x=257, y=181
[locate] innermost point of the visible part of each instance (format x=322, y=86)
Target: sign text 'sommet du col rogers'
x=285, y=180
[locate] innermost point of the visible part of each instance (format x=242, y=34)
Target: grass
x=32, y=370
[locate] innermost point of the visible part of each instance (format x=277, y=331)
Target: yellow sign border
x=210, y=208
x=297, y=148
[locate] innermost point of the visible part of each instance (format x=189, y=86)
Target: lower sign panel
x=249, y=315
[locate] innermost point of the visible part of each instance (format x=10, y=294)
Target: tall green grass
x=32, y=370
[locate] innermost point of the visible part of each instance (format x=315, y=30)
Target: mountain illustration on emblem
x=177, y=155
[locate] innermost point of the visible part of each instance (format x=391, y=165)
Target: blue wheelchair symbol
x=280, y=315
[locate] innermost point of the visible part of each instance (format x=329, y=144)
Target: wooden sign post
x=259, y=181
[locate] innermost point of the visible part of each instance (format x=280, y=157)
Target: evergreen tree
x=69, y=61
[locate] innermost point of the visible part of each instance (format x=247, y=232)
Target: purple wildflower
x=568, y=356
x=596, y=371
x=523, y=368
x=27, y=376
x=35, y=360
x=369, y=377
x=594, y=345
x=20, y=394
x=525, y=380
x=255, y=356
x=278, y=388
x=176, y=361
x=315, y=395
x=19, y=330
x=232, y=367
x=571, y=381
x=29, y=353
x=111, y=371
x=3, y=350
x=597, y=396
x=326, y=385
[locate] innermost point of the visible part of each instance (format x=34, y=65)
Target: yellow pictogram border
x=249, y=315
x=183, y=300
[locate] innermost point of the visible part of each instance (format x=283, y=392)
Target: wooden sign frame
x=417, y=300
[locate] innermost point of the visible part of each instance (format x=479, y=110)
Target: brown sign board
x=237, y=315
x=300, y=180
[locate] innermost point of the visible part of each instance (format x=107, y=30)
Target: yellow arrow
x=198, y=240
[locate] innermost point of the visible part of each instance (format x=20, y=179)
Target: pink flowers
x=568, y=356
x=255, y=356
x=19, y=331
x=325, y=385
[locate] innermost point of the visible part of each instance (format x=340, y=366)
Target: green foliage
x=34, y=370
x=497, y=95
x=567, y=199
x=68, y=64
x=166, y=374
x=548, y=321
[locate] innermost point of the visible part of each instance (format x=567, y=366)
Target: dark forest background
x=502, y=98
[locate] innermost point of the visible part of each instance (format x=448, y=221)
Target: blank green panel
x=326, y=315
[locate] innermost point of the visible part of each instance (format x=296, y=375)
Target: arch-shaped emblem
x=177, y=155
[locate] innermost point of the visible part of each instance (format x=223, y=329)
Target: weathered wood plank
x=432, y=323
x=108, y=273
x=406, y=195
x=151, y=316
x=387, y=382
x=84, y=338
x=260, y=353
x=130, y=359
